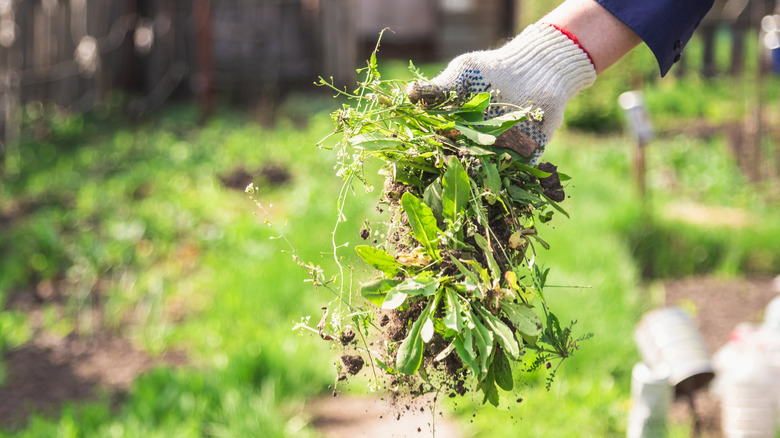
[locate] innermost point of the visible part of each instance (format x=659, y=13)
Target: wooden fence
x=73, y=53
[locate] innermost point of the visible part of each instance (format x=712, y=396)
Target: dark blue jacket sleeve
x=664, y=25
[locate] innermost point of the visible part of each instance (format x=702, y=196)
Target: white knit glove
x=542, y=68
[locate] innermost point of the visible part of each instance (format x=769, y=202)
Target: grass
x=133, y=216
x=185, y=265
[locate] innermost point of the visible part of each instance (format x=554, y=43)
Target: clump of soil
x=398, y=320
x=353, y=363
x=347, y=336
x=551, y=185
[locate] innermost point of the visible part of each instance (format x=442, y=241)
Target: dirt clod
x=352, y=363
x=427, y=95
x=517, y=141
x=551, y=186
x=347, y=336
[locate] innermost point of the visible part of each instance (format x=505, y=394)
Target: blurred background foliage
x=130, y=223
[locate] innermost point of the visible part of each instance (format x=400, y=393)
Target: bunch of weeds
x=456, y=258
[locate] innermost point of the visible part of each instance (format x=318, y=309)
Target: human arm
x=665, y=26
x=555, y=58
x=602, y=35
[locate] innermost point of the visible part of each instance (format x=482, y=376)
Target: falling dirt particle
x=519, y=400
x=548, y=365
x=347, y=336
x=551, y=186
x=342, y=377
x=398, y=418
x=422, y=409
x=385, y=320
x=335, y=394
x=419, y=429
x=364, y=233
x=352, y=363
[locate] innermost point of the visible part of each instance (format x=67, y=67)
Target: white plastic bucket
x=669, y=341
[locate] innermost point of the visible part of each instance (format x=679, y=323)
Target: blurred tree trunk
x=129, y=71
x=509, y=18
x=204, y=54
x=737, y=49
x=707, y=32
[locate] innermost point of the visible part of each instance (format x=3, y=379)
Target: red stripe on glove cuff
x=574, y=40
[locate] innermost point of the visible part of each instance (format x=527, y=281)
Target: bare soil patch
x=49, y=371
x=269, y=174
x=340, y=417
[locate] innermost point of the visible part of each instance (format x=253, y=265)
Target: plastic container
x=769, y=340
x=670, y=342
x=729, y=355
x=747, y=395
x=748, y=378
x=651, y=396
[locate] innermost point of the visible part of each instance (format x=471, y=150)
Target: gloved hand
x=543, y=67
